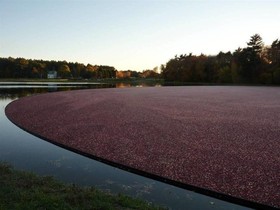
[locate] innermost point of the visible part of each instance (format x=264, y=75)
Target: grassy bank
x=24, y=190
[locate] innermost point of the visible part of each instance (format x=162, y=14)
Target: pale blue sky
x=131, y=34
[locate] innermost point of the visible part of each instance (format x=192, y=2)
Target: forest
x=254, y=64
x=23, y=68
x=28, y=68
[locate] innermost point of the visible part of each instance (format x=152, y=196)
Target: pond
x=26, y=152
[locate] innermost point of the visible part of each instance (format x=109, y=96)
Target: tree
x=64, y=71
x=274, y=53
x=21, y=68
x=149, y=74
x=256, y=44
x=38, y=69
x=77, y=69
x=224, y=74
x=250, y=60
x=106, y=72
x=170, y=70
x=274, y=61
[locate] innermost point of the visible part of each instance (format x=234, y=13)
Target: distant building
x=52, y=74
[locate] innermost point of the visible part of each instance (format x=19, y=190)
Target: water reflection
x=17, y=91
x=27, y=152
x=141, y=84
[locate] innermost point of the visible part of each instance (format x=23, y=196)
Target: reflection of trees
x=147, y=83
x=13, y=93
x=122, y=85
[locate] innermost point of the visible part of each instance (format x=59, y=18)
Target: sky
x=132, y=34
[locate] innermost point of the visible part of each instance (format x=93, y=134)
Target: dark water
x=27, y=152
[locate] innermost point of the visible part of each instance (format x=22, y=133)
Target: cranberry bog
x=222, y=141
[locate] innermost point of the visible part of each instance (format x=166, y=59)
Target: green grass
x=25, y=190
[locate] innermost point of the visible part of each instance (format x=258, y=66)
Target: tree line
x=256, y=63
x=28, y=68
x=147, y=73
